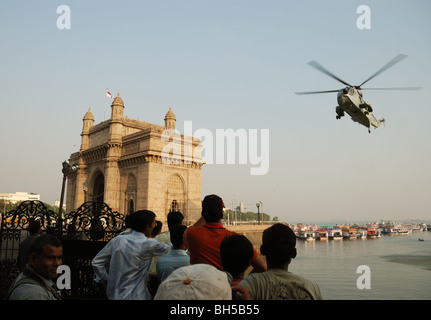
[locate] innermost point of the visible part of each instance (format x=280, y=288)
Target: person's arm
x=99, y=263
x=258, y=264
x=241, y=293
x=161, y=249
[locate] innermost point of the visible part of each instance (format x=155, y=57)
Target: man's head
x=177, y=233
x=46, y=255
x=175, y=218
x=143, y=221
x=278, y=245
x=236, y=252
x=212, y=208
x=34, y=227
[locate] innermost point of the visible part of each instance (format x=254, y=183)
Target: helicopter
x=350, y=98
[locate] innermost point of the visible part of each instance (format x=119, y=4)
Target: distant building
x=241, y=208
x=57, y=204
x=19, y=197
x=122, y=163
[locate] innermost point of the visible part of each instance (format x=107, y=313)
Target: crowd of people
x=205, y=261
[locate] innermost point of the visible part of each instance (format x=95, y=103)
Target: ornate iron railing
x=84, y=232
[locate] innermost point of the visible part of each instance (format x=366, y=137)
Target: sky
x=229, y=65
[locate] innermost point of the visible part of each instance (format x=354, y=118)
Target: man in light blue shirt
x=178, y=256
x=129, y=257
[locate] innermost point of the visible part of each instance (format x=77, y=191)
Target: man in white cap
x=195, y=282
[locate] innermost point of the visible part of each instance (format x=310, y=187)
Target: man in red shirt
x=203, y=239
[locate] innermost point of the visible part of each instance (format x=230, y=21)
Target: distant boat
x=350, y=233
x=306, y=235
x=335, y=234
x=395, y=231
x=361, y=234
x=373, y=233
x=322, y=235
x=421, y=239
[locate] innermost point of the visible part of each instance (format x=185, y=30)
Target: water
x=400, y=267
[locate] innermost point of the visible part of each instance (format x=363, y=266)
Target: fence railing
x=83, y=232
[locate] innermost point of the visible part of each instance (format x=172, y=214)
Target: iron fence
x=83, y=232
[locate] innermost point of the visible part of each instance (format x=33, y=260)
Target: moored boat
x=321, y=235
x=335, y=234
x=306, y=235
x=398, y=230
x=350, y=234
x=361, y=234
x=373, y=233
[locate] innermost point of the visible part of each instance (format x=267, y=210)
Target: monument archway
x=98, y=187
x=176, y=194
x=131, y=191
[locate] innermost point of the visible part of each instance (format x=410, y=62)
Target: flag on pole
x=109, y=94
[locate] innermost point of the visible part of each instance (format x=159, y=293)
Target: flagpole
x=108, y=94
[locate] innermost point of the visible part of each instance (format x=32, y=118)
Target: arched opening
x=176, y=195
x=99, y=188
x=131, y=190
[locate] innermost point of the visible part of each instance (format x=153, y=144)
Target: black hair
x=33, y=226
x=177, y=233
x=174, y=218
x=278, y=244
x=127, y=221
x=43, y=240
x=212, y=208
x=236, y=251
x=139, y=220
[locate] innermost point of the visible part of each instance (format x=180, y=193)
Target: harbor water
x=399, y=267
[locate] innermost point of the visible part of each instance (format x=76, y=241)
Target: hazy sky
x=229, y=64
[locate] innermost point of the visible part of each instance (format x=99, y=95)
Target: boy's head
x=278, y=245
x=175, y=218
x=34, y=227
x=212, y=208
x=236, y=251
x=177, y=233
x=143, y=221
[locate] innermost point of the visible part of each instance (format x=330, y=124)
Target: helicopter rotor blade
x=325, y=71
x=395, y=60
x=401, y=88
x=316, y=92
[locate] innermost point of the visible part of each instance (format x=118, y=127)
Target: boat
x=306, y=235
x=350, y=234
x=335, y=234
x=361, y=234
x=398, y=230
x=321, y=235
x=373, y=233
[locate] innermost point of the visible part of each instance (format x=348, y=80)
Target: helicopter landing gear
x=339, y=112
x=369, y=131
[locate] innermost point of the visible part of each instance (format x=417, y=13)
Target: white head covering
x=195, y=282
